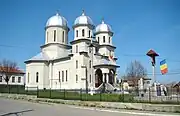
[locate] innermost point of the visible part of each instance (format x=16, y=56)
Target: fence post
x=17, y=89
x=64, y=93
x=37, y=92
x=50, y=93
x=100, y=96
x=149, y=95
x=81, y=94
x=9, y=88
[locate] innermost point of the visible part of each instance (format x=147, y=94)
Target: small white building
x=16, y=78
x=86, y=62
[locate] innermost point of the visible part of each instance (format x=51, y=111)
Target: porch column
x=107, y=77
x=103, y=76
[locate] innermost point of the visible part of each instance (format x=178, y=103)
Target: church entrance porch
x=104, y=79
x=98, y=78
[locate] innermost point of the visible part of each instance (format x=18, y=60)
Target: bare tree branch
x=135, y=71
x=7, y=69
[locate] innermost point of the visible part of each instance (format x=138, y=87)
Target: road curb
x=113, y=105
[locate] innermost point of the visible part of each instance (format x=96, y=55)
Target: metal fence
x=171, y=96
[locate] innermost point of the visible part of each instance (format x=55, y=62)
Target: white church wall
x=54, y=51
x=60, y=82
x=60, y=38
x=32, y=69
x=101, y=41
x=79, y=29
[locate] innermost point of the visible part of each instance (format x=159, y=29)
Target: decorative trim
x=82, y=40
x=38, y=61
x=61, y=59
x=107, y=45
x=106, y=65
x=89, y=25
x=64, y=27
x=59, y=44
x=109, y=32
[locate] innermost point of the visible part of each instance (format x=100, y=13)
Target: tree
x=136, y=70
x=7, y=69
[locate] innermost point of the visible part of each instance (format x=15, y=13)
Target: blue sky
x=138, y=26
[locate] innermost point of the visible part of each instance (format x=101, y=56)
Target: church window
x=76, y=64
x=89, y=33
x=0, y=78
x=90, y=64
x=47, y=36
x=76, y=33
x=37, y=77
x=89, y=50
x=66, y=76
x=83, y=32
x=62, y=76
x=90, y=78
x=54, y=35
x=104, y=39
x=76, y=48
x=109, y=40
x=19, y=79
x=59, y=76
x=28, y=78
x=63, y=36
x=98, y=40
x=13, y=79
x=76, y=78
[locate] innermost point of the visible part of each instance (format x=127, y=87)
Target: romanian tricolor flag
x=163, y=67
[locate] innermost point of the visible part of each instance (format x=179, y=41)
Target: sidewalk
x=114, y=105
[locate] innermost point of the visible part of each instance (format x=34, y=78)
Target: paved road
x=37, y=109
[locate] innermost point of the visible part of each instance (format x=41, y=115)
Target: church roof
x=40, y=56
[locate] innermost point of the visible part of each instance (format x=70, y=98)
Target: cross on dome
x=102, y=20
x=83, y=12
x=57, y=13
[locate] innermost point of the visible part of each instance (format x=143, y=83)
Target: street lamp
x=86, y=78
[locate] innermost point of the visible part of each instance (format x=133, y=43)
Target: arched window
x=89, y=33
x=98, y=40
x=76, y=48
x=59, y=76
x=76, y=33
x=76, y=64
x=54, y=35
x=76, y=78
x=62, y=76
x=90, y=78
x=104, y=39
x=90, y=64
x=83, y=32
x=109, y=40
x=37, y=77
x=66, y=76
x=63, y=36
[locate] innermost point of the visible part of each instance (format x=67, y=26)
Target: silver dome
x=56, y=20
x=83, y=19
x=103, y=27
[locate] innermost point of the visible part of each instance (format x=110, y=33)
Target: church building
x=86, y=62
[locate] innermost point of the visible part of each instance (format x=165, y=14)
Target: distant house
x=17, y=77
x=136, y=83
